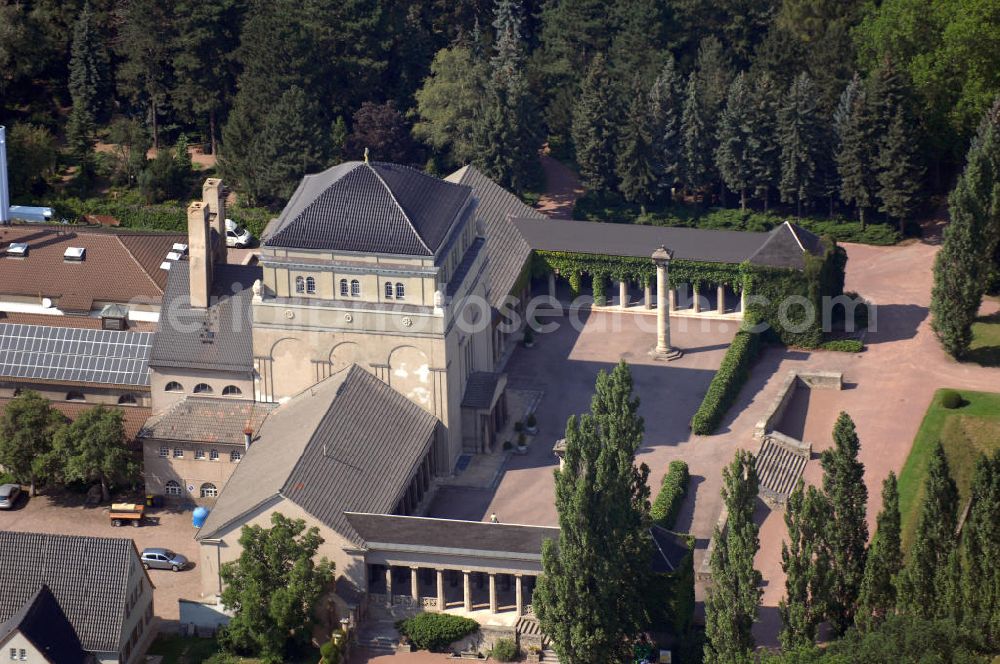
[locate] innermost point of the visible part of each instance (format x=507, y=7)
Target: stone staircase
x=780, y=462
x=529, y=633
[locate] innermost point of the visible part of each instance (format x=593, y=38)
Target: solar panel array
x=74, y=355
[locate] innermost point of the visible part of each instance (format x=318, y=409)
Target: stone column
x=440, y=589
x=388, y=586
x=720, y=305
x=663, y=350
x=552, y=285
x=414, y=586
x=623, y=294
x=695, y=298
x=468, y=589
x=647, y=296
x=493, y=592
x=518, y=595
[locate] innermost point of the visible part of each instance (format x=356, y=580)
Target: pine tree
x=639, y=37
x=856, y=140
x=981, y=539
x=144, y=46
x=665, y=102
x=733, y=599
x=899, y=171
x=714, y=74
x=696, y=143
x=508, y=46
x=764, y=150
x=963, y=264
x=923, y=582
x=594, y=129
x=799, y=138
x=805, y=559
x=844, y=486
x=87, y=78
x=636, y=161
x=590, y=597
x=733, y=155
x=877, y=599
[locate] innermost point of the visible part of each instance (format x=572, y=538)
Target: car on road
x=237, y=236
x=157, y=558
x=9, y=493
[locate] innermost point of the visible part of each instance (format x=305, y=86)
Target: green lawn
x=985, y=347
x=965, y=432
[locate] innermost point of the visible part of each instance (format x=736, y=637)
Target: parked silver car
x=157, y=558
x=9, y=493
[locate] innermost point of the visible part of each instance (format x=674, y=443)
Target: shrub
x=532, y=421
x=507, y=445
x=332, y=652
x=726, y=384
x=951, y=399
x=843, y=345
x=668, y=502
x=435, y=631
x=504, y=650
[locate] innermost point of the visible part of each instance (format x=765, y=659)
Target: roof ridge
x=401, y=208
x=435, y=518
x=795, y=235
x=138, y=264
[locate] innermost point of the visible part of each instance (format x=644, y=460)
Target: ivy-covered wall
x=788, y=300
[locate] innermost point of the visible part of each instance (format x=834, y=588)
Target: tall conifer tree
x=636, y=161
x=733, y=156
x=899, y=172
x=856, y=148
x=981, y=538
x=594, y=129
x=805, y=560
x=87, y=80
x=764, y=152
x=877, y=599
x=696, y=143
x=665, y=107
x=799, y=135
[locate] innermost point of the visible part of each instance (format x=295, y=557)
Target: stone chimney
x=214, y=197
x=200, y=254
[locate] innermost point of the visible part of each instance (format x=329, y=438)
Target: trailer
x=122, y=513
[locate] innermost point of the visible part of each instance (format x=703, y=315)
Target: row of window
x=352, y=288
x=14, y=654
x=204, y=388
x=123, y=400
x=199, y=454
x=207, y=490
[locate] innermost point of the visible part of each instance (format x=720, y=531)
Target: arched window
x=213, y=455
x=203, y=388
x=126, y=400
x=231, y=390
x=174, y=386
x=172, y=488
x=355, y=288
x=400, y=291
x=388, y=290
x=300, y=285
x=75, y=396
x=343, y=288
x=310, y=286
x=208, y=490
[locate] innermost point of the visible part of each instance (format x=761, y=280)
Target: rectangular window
x=24, y=654
x=13, y=653
x=178, y=453
x=164, y=452
x=213, y=455
x=235, y=456
x=199, y=454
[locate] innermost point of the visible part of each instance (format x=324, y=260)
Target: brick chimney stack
x=200, y=254
x=214, y=196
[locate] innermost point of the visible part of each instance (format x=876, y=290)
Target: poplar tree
x=734, y=597
x=636, y=161
x=805, y=560
x=594, y=128
x=799, y=138
x=963, y=264
x=981, y=539
x=590, y=597
x=665, y=102
x=899, y=172
x=844, y=486
x=733, y=155
x=696, y=143
x=925, y=577
x=877, y=599
x=764, y=150
x=856, y=148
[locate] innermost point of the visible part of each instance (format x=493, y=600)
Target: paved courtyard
x=65, y=514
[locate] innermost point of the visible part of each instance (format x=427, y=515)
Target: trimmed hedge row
x=843, y=345
x=726, y=384
x=668, y=502
x=436, y=631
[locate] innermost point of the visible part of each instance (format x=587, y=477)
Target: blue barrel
x=199, y=516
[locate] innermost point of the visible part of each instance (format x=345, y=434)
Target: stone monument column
x=663, y=349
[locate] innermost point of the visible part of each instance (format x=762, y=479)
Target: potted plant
x=522, y=443
x=531, y=424
x=529, y=337
x=507, y=446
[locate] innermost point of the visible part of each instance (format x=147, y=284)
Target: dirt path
x=562, y=188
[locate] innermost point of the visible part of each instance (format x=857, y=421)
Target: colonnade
x=428, y=588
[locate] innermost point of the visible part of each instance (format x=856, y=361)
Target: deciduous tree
x=27, y=428
x=383, y=130
x=93, y=448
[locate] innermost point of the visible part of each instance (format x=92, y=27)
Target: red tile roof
x=135, y=416
x=80, y=322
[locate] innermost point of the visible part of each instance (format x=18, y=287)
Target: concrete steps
x=780, y=463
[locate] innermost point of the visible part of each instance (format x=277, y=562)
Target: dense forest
x=847, y=108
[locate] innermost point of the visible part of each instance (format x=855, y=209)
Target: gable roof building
x=98, y=582
x=42, y=623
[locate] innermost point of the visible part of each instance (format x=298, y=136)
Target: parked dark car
x=9, y=493
x=157, y=558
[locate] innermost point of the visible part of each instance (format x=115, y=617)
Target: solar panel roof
x=64, y=354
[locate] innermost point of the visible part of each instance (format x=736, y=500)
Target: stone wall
x=816, y=379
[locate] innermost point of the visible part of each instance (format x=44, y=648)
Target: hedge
x=436, y=631
x=726, y=384
x=843, y=345
x=668, y=502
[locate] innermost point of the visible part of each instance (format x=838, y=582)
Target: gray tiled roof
x=350, y=443
x=786, y=246
x=471, y=254
x=669, y=550
x=208, y=419
x=215, y=338
x=42, y=622
x=89, y=577
x=507, y=250
x=370, y=208
x=383, y=530
x=480, y=389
